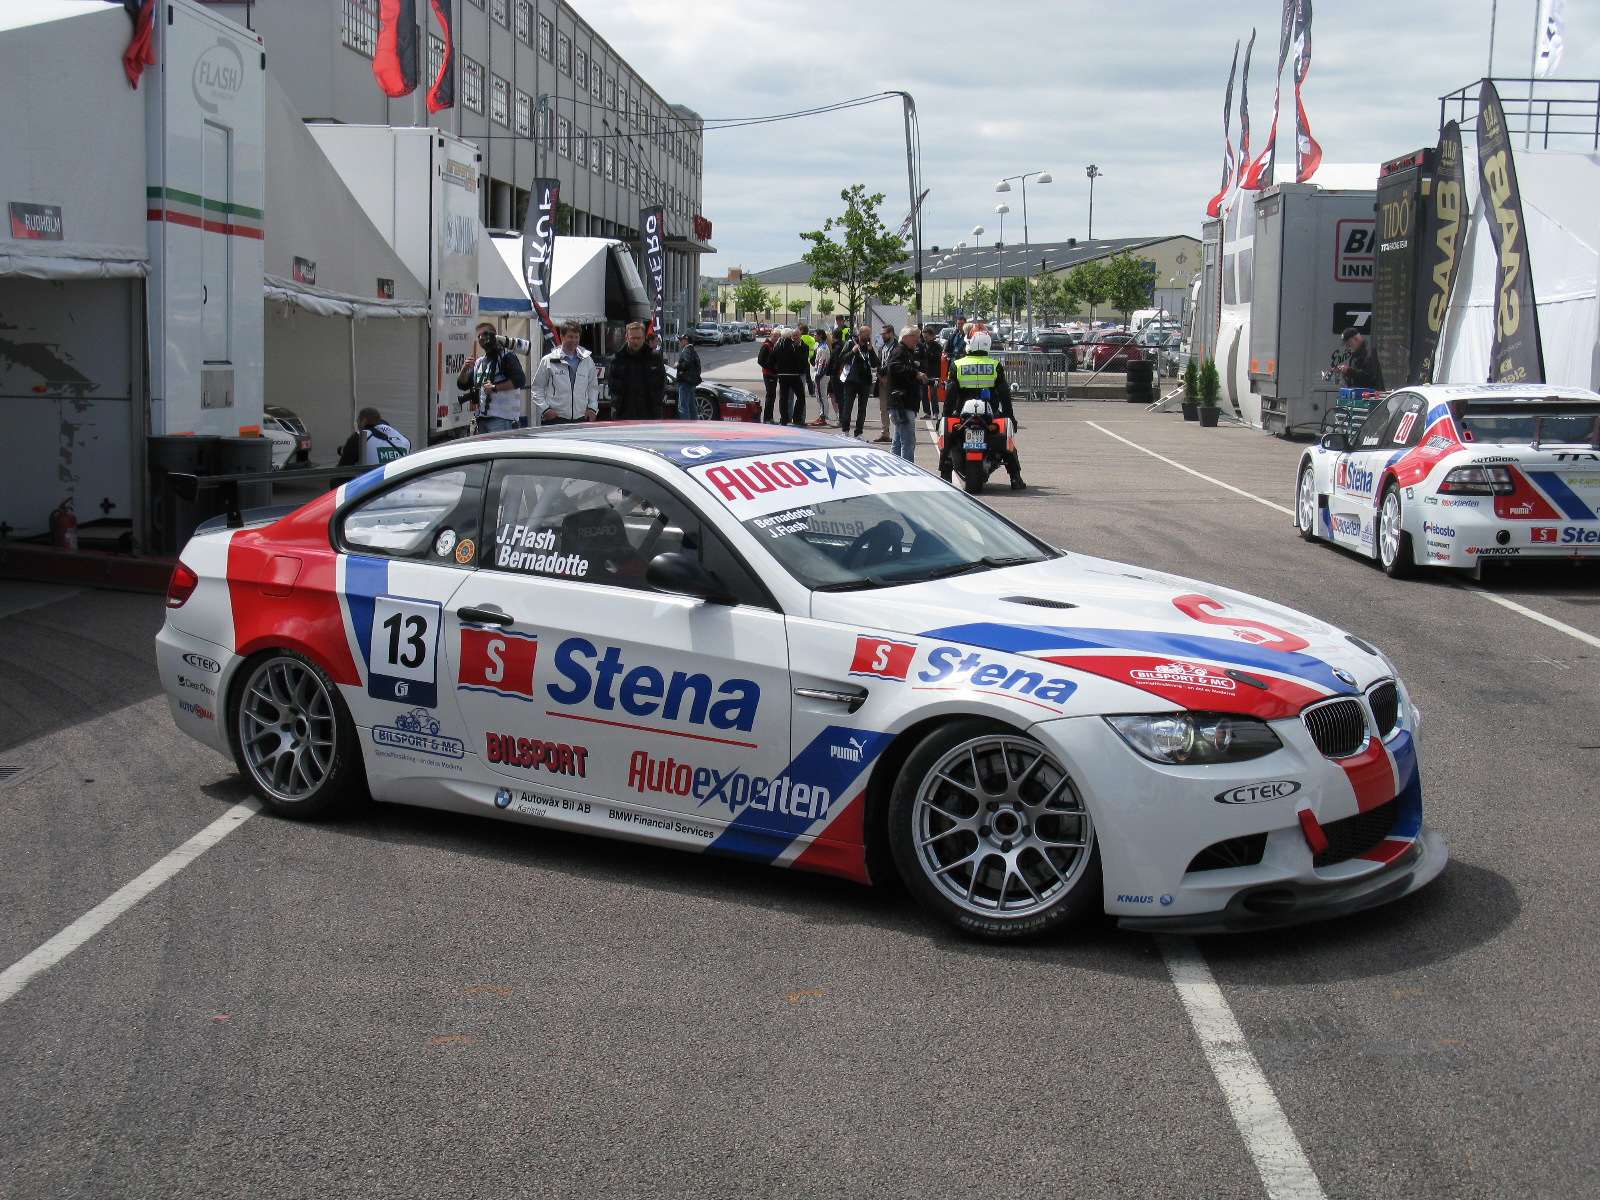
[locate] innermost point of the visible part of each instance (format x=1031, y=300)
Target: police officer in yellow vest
x=977, y=376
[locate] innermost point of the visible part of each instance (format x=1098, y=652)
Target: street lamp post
x=999, y=258
x=1093, y=173
x=1027, y=280
x=977, y=232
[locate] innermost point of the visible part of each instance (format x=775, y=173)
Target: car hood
x=1204, y=646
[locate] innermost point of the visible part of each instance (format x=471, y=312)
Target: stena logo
x=602, y=679
x=1572, y=535
x=1353, y=478
x=950, y=668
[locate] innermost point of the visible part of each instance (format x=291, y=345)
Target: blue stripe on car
x=1557, y=490
x=365, y=579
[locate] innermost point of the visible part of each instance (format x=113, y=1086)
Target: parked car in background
x=1112, y=351
x=291, y=443
x=714, y=400
x=706, y=334
x=762, y=328
x=1056, y=341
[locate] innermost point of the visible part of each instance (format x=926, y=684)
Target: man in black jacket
x=1359, y=368
x=858, y=364
x=790, y=363
x=903, y=381
x=688, y=377
x=638, y=379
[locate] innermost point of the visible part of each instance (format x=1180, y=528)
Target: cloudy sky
x=1135, y=88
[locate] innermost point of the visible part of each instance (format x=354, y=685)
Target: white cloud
x=1135, y=88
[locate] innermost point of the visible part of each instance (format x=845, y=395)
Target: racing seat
x=876, y=545
x=601, y=536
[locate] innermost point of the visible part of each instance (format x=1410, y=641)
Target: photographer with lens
x=492, y=380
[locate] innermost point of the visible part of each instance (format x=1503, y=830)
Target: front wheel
x=974, y=475
x=989, y=833
x=705, y=407
x=1305, y=506
x=294, y=739
x=1394, y=543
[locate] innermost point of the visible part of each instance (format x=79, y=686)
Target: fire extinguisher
x=64, y=527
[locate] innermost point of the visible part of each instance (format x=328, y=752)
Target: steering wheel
x=873, y=546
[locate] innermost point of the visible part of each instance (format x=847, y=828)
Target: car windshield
x=865, y=519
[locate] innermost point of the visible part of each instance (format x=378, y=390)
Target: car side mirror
x=680, y=573
x=1337, y=442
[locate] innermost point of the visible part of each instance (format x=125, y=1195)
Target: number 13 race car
x=785, y=647
x=1448, y=476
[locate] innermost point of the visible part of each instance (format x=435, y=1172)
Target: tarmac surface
x=410, y=1004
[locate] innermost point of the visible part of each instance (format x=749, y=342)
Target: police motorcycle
x=974, y=443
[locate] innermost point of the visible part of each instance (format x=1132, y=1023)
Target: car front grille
x=1385, y=701
x=1354, y=836
x=1338, y=728
x=1243, y=851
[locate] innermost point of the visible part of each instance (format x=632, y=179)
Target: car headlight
x=1189, y=739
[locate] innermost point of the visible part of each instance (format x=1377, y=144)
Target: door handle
x=486, y=614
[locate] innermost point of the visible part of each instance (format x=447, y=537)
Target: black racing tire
x=973, y=476
x=1394, y=552
x=990, y=834
x=314, y=770
x=1306, y=505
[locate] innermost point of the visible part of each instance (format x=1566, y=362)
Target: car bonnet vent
x=1040, y=602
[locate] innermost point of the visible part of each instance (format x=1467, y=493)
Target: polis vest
x=977, y=373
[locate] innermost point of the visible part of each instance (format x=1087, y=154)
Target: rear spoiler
x=1531, y=406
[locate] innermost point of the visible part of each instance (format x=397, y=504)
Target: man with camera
x=1355, y=366
x=494, y=380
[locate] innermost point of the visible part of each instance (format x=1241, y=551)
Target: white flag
x=1552, y=21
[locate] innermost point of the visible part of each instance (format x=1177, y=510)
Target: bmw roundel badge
x=1345, y=675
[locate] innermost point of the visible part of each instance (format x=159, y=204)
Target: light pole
x=1027, y=280
x=999, y=258
x=1093, y=173
x=977, y=232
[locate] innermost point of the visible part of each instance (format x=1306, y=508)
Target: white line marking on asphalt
x=22, y=972
x=1531, y=614
x=1284, y=1169
x=1192, y=471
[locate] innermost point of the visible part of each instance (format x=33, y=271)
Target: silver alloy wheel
x=705, y=407
x=1389, y=528
x=1306, y=503
x=286, y=728
x=999, y=828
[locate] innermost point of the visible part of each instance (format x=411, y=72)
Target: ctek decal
x=881, y=658
x=1257, y=793
x=418, y=730
x=201, y=663
x=531, y=754
x=643, y=691
x=499, y=662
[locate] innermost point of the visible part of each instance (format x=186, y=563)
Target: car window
x=426, y=518
x=1405, y=428
x=1371, y=434
x=592, y=523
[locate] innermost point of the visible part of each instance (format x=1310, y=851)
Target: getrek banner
x=652, y=245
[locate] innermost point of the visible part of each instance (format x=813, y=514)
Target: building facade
x=536, y=89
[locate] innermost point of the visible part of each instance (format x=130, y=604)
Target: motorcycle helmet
x=979, y=342
x=975, y=408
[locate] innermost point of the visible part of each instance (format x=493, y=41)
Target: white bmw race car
x=789, y=648
x=1448, y=476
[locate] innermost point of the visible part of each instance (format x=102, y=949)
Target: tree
x=1090, y=284
x=980, y=299
x=1129, y=283
x=825, y=306
x=751, y=297
x=1014, y=295
x=866, y=259
x=707, y=297
x=797, y=306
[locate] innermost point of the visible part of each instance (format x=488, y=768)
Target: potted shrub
x=1191, y=389
x=1210, y=389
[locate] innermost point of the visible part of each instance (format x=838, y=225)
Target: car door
x=574, y=674
x=1352, y=504
x=404, y=550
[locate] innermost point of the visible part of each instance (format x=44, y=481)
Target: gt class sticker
x=403, y=644
x=880, y=658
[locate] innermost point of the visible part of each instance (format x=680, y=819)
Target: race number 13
x=402, y=651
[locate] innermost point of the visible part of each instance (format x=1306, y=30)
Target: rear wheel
x=705, y=407
x=1394, y=543
x=1305, y=504
x=989, y=833
x=294, y=739
x=974, y=475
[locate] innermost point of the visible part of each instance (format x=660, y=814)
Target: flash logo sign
x=882, y=659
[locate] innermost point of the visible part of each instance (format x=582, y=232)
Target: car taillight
x=1478, y=481
x=184, y=582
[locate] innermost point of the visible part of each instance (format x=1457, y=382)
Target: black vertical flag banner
x=1307, y=154
x=653, y=252
x=539, y=247
x=1402, y=217
x=1228, y=166
x=1244, y=110
x=1439, y=253
x=1518, y=356
x=394, y=62
x=442, y=94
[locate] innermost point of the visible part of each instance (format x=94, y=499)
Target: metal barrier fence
x=1035, y=375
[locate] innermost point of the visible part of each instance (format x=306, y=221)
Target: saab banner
x=1518, y=355
x=1401, y=208
x=1228, y=168
x=1244, y=110
x=1307, y=154
x=1259, y=174
x=1439, y=252
x=539, y=238
x=394, y=62
x=442, y=94
x=653, y=255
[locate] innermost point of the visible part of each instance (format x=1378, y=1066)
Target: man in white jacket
x=566, y=383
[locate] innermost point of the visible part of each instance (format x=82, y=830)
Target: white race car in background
x=786, y=647
x=1449, y=476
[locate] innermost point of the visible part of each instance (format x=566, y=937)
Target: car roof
x=1505, y=391
x=685, y=443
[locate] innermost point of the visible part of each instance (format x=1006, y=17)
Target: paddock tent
x=333, y=344
x=73, y=257
x=1563, y=226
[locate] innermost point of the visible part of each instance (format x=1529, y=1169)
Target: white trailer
x=420, y=188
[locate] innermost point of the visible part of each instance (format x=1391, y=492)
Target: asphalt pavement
x=411, y=1004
